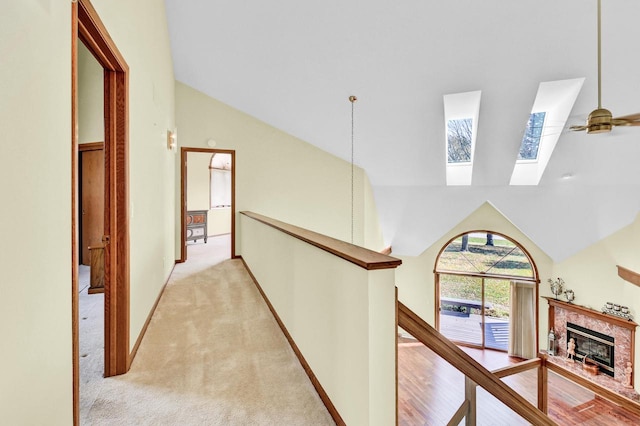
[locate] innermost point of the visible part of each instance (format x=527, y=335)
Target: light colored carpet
x=91, y=313
x=212, y=355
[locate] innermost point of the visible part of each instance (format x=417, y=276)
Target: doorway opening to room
x=208, y=205
x=487, y=294
x=91, y=248
x=88, y=29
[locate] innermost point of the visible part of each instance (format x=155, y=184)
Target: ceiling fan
x=601, y=120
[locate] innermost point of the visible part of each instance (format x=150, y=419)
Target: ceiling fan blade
x=578, y=128
x=625, y=123
x=627, y=120
x=630, y=117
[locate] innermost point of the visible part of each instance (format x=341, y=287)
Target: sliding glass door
x=473, y=277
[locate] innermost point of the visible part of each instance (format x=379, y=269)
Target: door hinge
x=106, y=239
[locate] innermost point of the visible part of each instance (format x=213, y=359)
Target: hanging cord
x=353, y=100
x=599, y=55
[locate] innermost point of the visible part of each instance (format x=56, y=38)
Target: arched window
x=220, y=180
x=486, y=291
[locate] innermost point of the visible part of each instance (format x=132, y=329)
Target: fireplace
x=598, y=347
x=611, y=347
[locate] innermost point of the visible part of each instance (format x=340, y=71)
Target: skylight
x=555, y=98
x=532, y=135
x=459, y=135
x=461, y=112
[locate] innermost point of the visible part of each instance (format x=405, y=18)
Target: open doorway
x=89, y=29
x=208, y=204
x=91, y=198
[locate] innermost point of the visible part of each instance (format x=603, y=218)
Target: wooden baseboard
x=314, y=380
x=134, y=351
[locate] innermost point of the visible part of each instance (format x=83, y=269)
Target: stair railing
x=477, y=375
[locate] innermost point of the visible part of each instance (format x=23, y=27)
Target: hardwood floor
x=430, y=391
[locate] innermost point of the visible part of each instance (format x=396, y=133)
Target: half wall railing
x=336, y=303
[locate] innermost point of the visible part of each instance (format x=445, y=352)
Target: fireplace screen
x=596, y=346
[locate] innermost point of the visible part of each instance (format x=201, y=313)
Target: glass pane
x=459, y=135
x=460, y=303
x=531, y=138
x=482, y=252
x=514, y=263
x=493, y=412
x=220, y=188
x=457, y=257
x=525, y=384
x=496, y=320
x=584, y=406
x=430, y=390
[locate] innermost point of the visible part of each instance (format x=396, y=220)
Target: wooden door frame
x=183, y=197
x=87, y=27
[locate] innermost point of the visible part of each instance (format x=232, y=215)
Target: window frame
x=227, y=175
x=534, y=279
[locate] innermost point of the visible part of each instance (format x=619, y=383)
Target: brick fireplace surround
x=622, y=330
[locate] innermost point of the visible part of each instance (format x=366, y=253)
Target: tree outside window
x=459, y=135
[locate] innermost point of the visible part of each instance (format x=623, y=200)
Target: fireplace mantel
x=623, y=330
x=619, y=321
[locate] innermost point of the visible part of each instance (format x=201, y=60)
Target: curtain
x=522, y=330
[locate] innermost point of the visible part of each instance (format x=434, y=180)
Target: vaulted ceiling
x=293, y=64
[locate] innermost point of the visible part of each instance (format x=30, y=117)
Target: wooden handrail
x=360, y=256
x=629, y=275
x=520, y=367
x=451, y=353
x=530, y=364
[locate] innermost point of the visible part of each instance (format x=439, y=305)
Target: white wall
x=35, y=225
x=219, y=221
x=198, y=180
x=90, y=97
x=278, y=175
x=341, y=316
x=35, y=106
